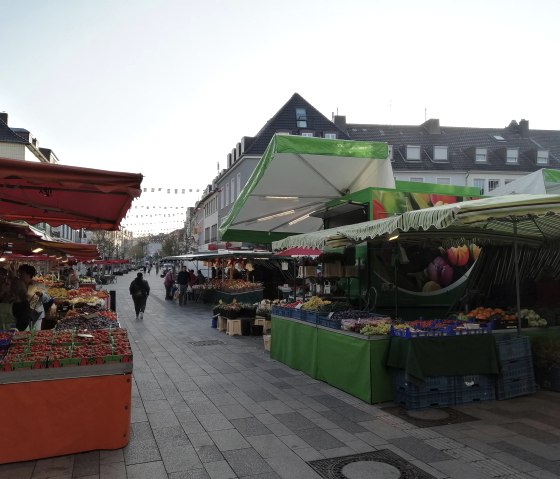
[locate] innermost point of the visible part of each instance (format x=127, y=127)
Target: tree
x=105, y=242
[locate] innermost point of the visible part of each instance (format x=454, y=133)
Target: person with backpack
x=139, y=290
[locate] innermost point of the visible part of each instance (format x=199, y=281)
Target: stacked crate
x=475, y=388
x=435, y=391
x=517, y=377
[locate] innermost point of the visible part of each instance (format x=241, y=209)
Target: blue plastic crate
x=421, y=401
x=476, y=381
x=507, y=389
x=328, y=323
x=430, y=384
x=307, y=316
x=475, y=394
x=512, y=346
x=517, y=368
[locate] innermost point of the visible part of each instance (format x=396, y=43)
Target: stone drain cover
x=383, y=464
x=211, y=342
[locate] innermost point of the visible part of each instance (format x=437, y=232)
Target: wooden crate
x=222, y=323
x=265, y=323
x=234, y=327
x=267, y=339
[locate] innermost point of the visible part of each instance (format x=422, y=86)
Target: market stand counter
x=60, y=411
x=348, y=361
x=444, y=355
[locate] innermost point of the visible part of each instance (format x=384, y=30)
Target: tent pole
x=516, y=264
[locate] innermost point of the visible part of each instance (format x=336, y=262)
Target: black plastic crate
x=475, y=393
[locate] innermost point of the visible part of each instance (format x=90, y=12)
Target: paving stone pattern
x=207, y=405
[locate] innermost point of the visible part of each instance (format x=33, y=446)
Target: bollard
x=113, y=296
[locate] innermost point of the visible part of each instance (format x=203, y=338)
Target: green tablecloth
x=444, y=356
x=351, y=363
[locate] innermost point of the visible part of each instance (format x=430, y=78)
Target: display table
x=59, y=411
x=251, y=296
x=444, y=355
x=348, y=361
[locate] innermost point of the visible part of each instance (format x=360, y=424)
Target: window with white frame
x=542, y=157
x=301, y=118
x=412, y=153
x=417, y=179
x=493, y=184
x=207, y=235
x=330, y=136
x=481, y=155
x=512, y=155
x=308, y=134
x=238, y=184
x=440, y=153
x=479, y=183
x=443, y=181
x=227, y=194
x=222, y=198
x=232, y=191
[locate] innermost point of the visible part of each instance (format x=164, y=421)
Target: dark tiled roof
x=461, y=143
x=285, y=120
x=7, y=135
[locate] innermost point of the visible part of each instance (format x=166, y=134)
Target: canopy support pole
x=516, y=264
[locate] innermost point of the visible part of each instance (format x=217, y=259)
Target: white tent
x=540, y=182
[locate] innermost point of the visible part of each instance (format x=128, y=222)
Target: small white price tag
x=299, y=306
x=330, y=314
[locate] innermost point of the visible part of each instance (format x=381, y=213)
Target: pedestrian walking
x=183, y=282
x=168, y=282
x=139, y=290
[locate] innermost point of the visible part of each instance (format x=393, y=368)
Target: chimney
x=524, y=128
x=4, y=117
x=432, y=126
x=340, y=121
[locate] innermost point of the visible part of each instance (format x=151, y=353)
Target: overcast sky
x=167, y=88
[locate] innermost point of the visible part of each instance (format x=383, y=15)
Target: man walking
x=139, y=290
x=183, y=282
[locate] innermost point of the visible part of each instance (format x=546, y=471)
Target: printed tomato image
x=378, y=211
x=458, y=256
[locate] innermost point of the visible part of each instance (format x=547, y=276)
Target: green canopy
x=297, y=176
x=536, y=219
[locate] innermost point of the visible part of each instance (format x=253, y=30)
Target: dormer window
x=301, y=118
x=481, y=155
x=412, y=153
x=440, y=153
x=330, y=136
x=308, y=134
x=512, y=156
x=542, y=157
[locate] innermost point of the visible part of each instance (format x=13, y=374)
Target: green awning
x=536, y=219
x=297, y=176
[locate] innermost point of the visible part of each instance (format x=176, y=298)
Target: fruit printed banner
x=426, y=269
x=387, y=203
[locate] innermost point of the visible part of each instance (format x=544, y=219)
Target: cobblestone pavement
x=227, y=410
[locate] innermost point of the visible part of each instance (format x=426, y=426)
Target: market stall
x=503, y=362
x=68, y=389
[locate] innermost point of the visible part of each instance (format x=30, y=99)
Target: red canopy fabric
x=70, y=195
x=300, y=252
